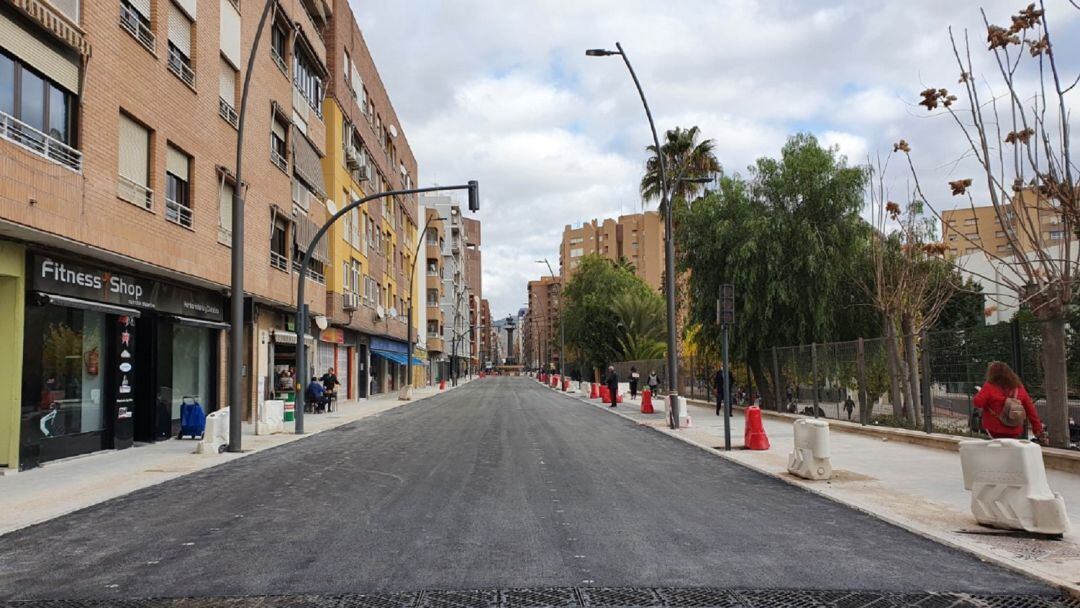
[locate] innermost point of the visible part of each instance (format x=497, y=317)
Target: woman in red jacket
x=1002, y=383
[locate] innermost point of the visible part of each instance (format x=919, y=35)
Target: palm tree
x=641, y=326
x=684, y=156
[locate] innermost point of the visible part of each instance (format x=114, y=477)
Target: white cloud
x=502, y=92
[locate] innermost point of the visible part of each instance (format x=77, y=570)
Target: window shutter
x=134, y=151
x=177, y=163
x=278, y=129
x=227, y=87
x=358, y=85
x=142, y=6
x=56, y=66
x=225, y=202
x=188, y=6
x=180, y=30
x=230, y=32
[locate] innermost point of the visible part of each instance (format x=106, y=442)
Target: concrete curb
x=1069, y=587
x=1053, y=458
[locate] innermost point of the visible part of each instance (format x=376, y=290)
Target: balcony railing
x=134, y=193
x=279, y=61
x=35, y=141
x=279, y=160
x=177, y=212
x=131, y=20
x=226, y=111
x=181, y=66
x=279, y=261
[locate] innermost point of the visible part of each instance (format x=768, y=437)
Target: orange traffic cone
x=594, y=391
x=646, y=402
x=754, y=437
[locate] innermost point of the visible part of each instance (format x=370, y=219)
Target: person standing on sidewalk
x=1006, y=405
x=721, y=382
x=634, y=377
x=653, y=383
x=613, y=385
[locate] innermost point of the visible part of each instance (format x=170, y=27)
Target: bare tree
x=1020, y=142
x=911, y=284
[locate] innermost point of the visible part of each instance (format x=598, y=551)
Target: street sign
x=725, y=305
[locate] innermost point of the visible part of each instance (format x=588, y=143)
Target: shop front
x=332, y=353
x=110, y=357
x=388, y=364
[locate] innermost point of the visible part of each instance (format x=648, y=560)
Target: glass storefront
x=185, y=372
x=63, y=385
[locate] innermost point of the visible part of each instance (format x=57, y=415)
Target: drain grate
x=586, y=597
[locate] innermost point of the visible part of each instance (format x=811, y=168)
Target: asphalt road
x=498, y=484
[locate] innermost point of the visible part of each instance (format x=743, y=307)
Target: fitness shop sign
x=62, y=277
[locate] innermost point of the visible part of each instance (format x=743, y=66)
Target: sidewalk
x=64, y=486
x=915, y=487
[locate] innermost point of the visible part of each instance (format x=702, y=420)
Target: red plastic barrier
x=442, y=385
x=646, y=402
x=565, y=385
x=594, y=390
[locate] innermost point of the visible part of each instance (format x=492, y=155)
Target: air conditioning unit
x=350, y=301
x=361, y=173
x=352, y=158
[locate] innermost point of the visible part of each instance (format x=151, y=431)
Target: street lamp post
x=669, y=241
x=412, y=295
x=562, y=325
x=301, y=305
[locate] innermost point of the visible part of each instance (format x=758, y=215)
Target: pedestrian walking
x=613, y=385
x=722, y=382
x=653, y=382
x=1006, y=405
x=849, y=406
x=634, y=377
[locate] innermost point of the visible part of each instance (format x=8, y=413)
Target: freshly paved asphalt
x=500, y=483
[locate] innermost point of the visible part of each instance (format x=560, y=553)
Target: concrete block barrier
x=1008, y=486
x=811, y=457
x=271, y=418
x=216, y=438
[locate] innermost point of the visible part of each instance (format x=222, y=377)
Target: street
x=498, y=484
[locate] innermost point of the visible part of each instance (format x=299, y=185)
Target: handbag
x=1012, y=412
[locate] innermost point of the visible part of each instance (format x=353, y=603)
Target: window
x=134, y=184
x=225, y=205
x=577, y=252
x=177, y=189
x=970, y=221
x=307, y=80
x=433, y=328
x=279, y=244
x=1004, y=248
x=279, y=150
x=135, y=18
x=971, y=250
x=1057, y=235
x=999, y=234
x=227, y=93
x=43, y=107
x=278, y=41
x=180, y=45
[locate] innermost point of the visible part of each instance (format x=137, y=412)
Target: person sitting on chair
x=315, y=394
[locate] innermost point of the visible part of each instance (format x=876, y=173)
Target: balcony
x=181, y=66
x=177, y=213
x=39, y=143
x=279, y=61
x=279, y=261
x=134, y=193
x=132, y=21
x=226, y=111
x=435, y=343
x=279, y=161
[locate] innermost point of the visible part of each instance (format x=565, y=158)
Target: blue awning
x=399, y=358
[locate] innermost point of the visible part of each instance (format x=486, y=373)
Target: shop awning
x=287, y=337
x=201, y=323
x=399, y=358
x=111, y=309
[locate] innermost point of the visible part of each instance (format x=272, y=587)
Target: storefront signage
x=125, y=376
x=77, y=280
x=390, y=345
x=332, y=334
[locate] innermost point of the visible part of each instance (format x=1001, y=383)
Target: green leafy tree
x=592, y=328
x=789, y=239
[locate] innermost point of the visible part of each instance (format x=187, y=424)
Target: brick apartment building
x=540, y=326
x=118, y=124
x=969, y=230
x=638, y=238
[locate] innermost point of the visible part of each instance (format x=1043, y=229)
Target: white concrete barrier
x=216, y=438
x=679, y=409
x=405, y=393
x=271, y=418
x=810, y=458
x=1008, y=486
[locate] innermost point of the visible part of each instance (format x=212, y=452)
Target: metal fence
x=850, y=380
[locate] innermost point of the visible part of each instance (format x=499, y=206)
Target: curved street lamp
x=669, y=240
x=301, y=305
x=412, y=294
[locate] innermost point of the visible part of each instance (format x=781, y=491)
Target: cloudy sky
x=502, y=92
